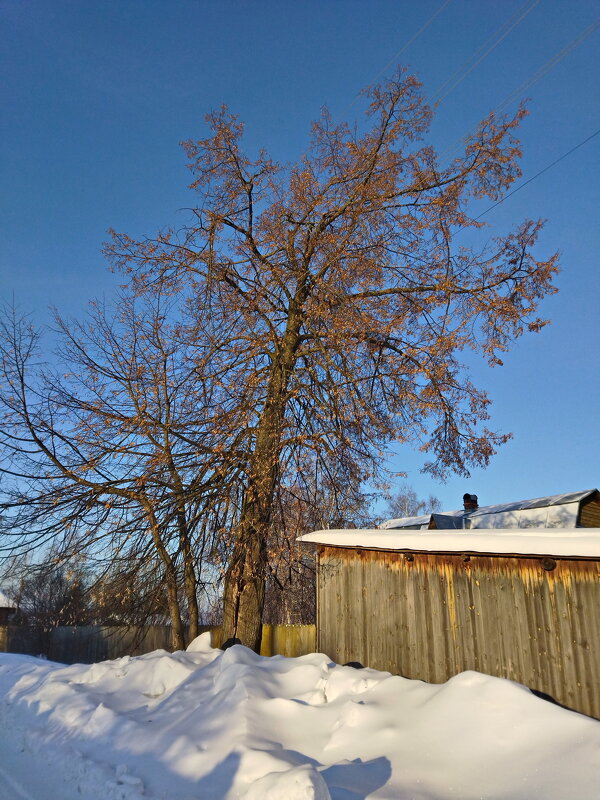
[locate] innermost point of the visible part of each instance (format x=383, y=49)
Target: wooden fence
x=424, y=615
x=89, y=644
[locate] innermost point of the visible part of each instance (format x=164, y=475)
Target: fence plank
x=93, y=643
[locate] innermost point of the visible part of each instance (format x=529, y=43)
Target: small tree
x=50, y=595
x=47, y=593
x=406, y=503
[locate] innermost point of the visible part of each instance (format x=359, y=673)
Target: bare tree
x=113, y=454
x=49, y=593
x=343, y=302
x=328, y=306
x=406, y=503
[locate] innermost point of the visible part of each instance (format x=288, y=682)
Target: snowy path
x=24, y=773
x=10, y=789
x=24, y=777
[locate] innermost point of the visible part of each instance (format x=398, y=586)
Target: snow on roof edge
x=560, y=542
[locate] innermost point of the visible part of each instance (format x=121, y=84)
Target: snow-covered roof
x=565, y=543
x=559, y=510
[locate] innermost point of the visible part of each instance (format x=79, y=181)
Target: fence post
x=5, y=612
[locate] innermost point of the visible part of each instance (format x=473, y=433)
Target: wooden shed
x=523, y=605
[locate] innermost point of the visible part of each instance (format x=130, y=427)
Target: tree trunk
x=177, y=629
x=189, y=570
x=244, y=592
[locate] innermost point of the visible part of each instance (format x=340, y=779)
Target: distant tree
x=49, y=594
x=406, y=503
x=130, y=593
x=343, y=301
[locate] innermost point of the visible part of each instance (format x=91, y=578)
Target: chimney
x=470, y=502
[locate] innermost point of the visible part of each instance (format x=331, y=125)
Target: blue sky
x=97, y=95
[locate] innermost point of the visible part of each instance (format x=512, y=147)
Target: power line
x=410, y=41
x=404, y=47
x=493, y=41
x=537, y=175
x=550, y=64
x=541, y=72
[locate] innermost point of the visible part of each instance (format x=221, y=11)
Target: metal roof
x=520, y=505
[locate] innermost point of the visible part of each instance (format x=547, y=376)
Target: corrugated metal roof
x=407, y=522
x=537, y=502
x=500, y=508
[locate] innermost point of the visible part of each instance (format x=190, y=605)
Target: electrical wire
x=493, y=41
x=404, y=47
x=541, y=72
x=537, y=175
x=501, y=33
x=394, y=60
x=550, y=64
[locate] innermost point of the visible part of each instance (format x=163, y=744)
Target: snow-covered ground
x=209, y=725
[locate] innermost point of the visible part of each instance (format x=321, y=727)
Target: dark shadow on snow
x=357, y=779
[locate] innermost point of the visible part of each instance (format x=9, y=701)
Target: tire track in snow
x=17, y=789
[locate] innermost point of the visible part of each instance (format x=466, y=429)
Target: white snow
x=565, y=543
x=210, y=725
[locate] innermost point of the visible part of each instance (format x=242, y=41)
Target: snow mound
x=201, y=644
x=299, y=783
x=231, y=725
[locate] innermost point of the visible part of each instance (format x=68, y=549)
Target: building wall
x=589, y=514
x=429, y=616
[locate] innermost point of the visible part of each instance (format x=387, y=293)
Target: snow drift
x=212, y=725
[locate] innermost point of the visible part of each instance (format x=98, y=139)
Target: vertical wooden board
x=428, y=594
x=288, y=640
x=397, y=611
x=378, y=604
x=413, y=649
x=466, y=628
x=354, y=639
x=514, y=657
x=404, y=645
x=330, y=594
x=266, y=642
x=583, y=609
